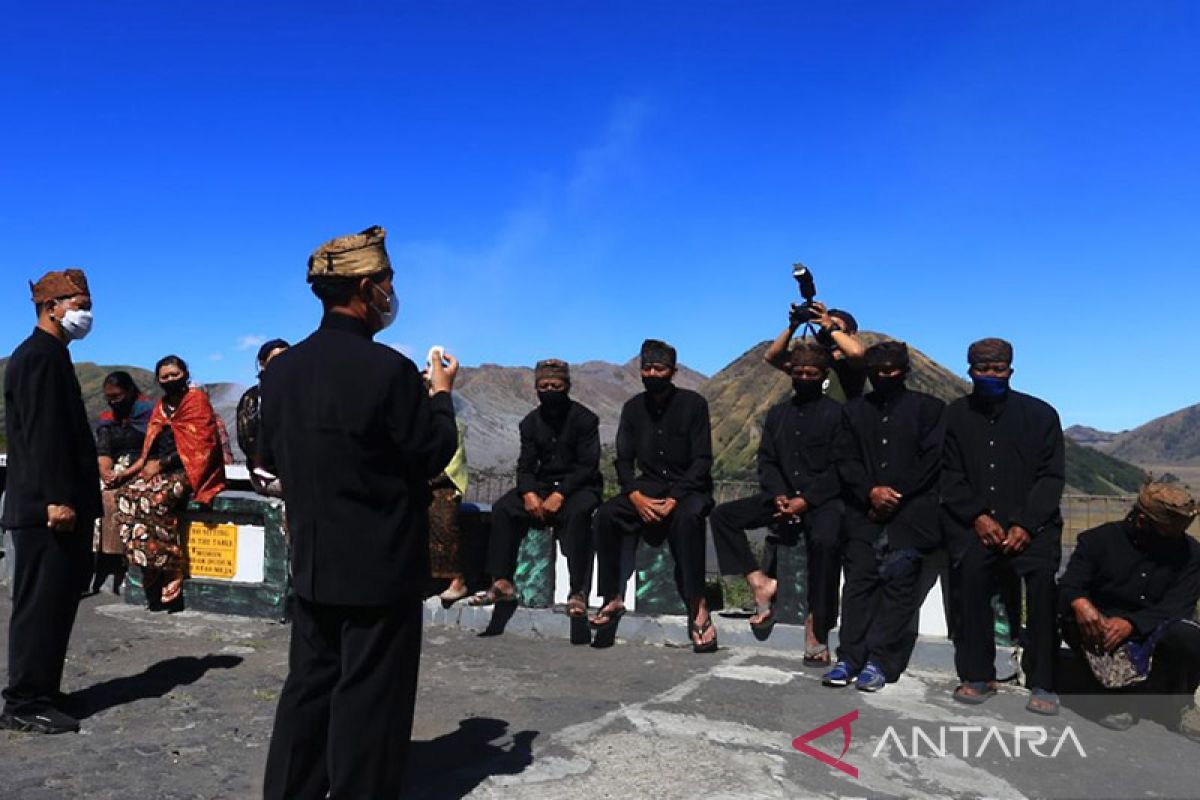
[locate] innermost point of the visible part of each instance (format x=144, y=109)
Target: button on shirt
x=1004, y=459
x=560, y=454
x=795, y=456
x=1144, y=577
x=665, y=449
x=896, y=441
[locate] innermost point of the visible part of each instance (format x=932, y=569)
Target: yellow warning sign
x=212, y=550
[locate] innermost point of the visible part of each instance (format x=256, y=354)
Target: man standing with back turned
x=354, y=437
x=53, y=498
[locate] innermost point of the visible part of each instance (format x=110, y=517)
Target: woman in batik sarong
x=181, y=460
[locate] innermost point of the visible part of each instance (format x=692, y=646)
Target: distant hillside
x=1090, y=437
x=91, y=376
x=1173, y=440
x=741, y=393
x=491, y=400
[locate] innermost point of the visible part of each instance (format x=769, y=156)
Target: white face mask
x=76, y=323
x=386, y=318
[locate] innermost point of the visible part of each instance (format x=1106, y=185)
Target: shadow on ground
x=155, y=681
x=454, y=764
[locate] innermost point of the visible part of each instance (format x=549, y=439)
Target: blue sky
x=566, y=178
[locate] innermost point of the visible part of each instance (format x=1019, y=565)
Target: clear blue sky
x=566, y=178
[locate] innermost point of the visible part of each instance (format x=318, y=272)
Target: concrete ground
x=181, y=707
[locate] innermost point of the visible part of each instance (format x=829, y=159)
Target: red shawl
x=196, y=438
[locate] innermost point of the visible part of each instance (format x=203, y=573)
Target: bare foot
x=764, y=594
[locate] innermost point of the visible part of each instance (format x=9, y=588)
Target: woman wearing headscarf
x=120, y=434
x=181, y=460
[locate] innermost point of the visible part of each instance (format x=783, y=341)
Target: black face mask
x=121, y=408
x=173, y=388
x=887, y=386
x=655, y=384
x=807, y=389
x=554, y=402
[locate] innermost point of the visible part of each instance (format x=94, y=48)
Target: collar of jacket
x=334, y=321
x=49, y=337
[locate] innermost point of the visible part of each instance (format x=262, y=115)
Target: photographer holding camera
x=835, y=330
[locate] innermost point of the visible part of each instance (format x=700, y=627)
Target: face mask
x=121, y=408
x=807, y=389
x=655, y=384
x=989, y=387
x=886, y=386
x=554, y=400
x=76, y=323
x=173, y=388
x=386, y=318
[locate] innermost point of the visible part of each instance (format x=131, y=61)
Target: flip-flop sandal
x=975, y=693
x=764, y=624
x=576, y=608
x=612, y=616
x=1043, y=702
x=817, y=657
x=449, y=598
x=699, y=631
x=491, y=598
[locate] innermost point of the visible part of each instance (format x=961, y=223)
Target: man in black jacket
x=800, y=495
x=355, y=437
x=665, y=433
x=1002, y=480
x=888, y=453
x=52, y=500
x=1136, y=582
x=558, y=485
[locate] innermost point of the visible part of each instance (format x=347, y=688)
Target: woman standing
x=181, y=460
x=119, y=439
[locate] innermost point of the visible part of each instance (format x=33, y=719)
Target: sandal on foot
x=611, y=617
x=1043, y=702
x=697, y=632
x=172, y=590
x=492, y=597
x=975, y=693
x=576, y=607
x=449, y=598
x=817, y=656
x=766, y=619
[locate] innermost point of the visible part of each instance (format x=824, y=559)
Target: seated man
x=888, y=454
x=558, y=485
x=800, y=494
x=837, y=332
x=1136, y=582
x=1003, y=473
x=249, y=423
x=665, y=432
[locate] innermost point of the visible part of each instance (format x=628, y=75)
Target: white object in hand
x=438, y=352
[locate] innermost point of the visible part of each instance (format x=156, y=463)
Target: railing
x=1080, y=511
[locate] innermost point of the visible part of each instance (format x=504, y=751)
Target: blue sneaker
x=840, y=675
x=870, y=679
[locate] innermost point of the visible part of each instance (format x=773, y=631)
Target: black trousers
x=684, y=531
x=879, y=599
x=821, y=529
x=51, y=572
x=978, y=575
x=573, y=526
x=345, y=716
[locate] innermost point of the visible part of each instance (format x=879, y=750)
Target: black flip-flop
x=983, y=691
x=693, y=630
x=614, y=617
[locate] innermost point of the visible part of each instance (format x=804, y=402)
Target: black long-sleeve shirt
x=1144, y=577
x=51, y=452
x=671, y=443
x=560, y=454
x=795, y=456
x=1006, y=460
x=896, y=441
x=354, y=437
